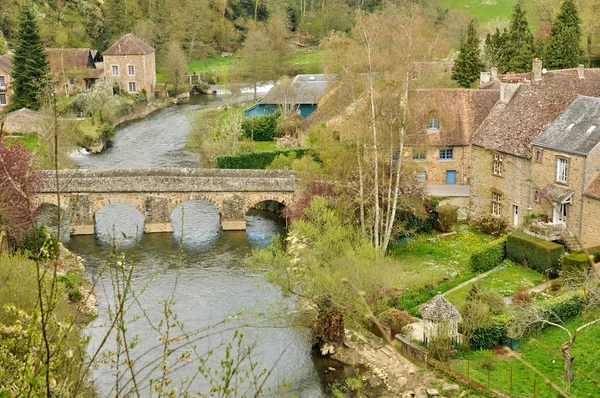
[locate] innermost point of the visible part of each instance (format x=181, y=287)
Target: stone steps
x=571, y=243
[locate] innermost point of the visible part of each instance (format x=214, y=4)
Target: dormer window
x=434, y=122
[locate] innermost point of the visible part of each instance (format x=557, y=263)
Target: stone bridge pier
x=156, y=193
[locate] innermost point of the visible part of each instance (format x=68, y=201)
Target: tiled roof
x=68, y=59
x=439, y=309
x=512, y=127
x=459, y=112
x=129, y=45
x=6, y=63
x=593, y=190
x=576, y=130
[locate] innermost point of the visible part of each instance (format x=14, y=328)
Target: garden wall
x=414, y=353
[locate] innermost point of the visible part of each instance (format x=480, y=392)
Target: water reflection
x=196, y=223
x=119, y=223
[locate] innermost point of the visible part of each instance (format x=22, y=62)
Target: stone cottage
x=5, y=81
x=440, y=319
x=131, y=65
x=502, y=147
x=73, y=70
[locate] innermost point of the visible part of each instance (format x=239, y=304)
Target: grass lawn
x=483, y=10
x=88, y=129
x=30, y=141
x=504, y=281
x=262, y=146
x=543, y=352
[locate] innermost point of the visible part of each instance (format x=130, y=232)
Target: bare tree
x=175, y=64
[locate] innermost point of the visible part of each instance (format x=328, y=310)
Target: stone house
x=502, y=146
x=440, y=125
x=131, y=65
x=73, y=70
x=565, y=163
x=5, y=81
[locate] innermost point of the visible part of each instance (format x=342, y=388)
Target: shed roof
x=129, y=45
x=68, y=59
x=576, y=130
x=6, y=63
x=512, y=127
x=439, y=309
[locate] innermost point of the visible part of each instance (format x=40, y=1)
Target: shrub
x=491, y=334
x=47, y=243
x=521, y=296
x=489, y=224
x=563, y=307
x=261, y=128
x=597, y=257
x=488, y=257
x=575, y=265
x=536, y=253
x=74, y=295
x=447, y=217
x=254, y=160
x=395, y=319
x=555, y=285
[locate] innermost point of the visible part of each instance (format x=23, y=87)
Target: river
x=199, y=262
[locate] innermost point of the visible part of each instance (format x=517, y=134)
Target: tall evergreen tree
x=564, y=49
x=494, y=49
x=30, y=63
x=468, y=65
x=520, y=48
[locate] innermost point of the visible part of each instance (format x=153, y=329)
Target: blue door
x=450, y=176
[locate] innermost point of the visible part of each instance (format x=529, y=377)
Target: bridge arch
x=119, y=220
x=255, y=200
x=46, y=213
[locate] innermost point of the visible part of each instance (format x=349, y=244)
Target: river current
x=200, y=263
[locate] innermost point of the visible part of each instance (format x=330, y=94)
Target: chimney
x=507, y=90
x=484, y=78
x=494, y=74
x=581, y=71
x=537, y=69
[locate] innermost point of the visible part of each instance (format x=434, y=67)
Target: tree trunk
x=566, y=351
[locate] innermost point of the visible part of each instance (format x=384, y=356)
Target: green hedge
x=490, y=335
x=488, y=257
x=573, y=264
x=565, y=306
x=536, y=253
x=261, y=128
x=254, y=160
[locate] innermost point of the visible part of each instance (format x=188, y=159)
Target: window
x=496, y=203
x=539, y=155
x=115, y=70
x=2, y=99
x=132, y=87
x=422, y=176
x=419, y=156
x=498, y=164
x=562, y=170
x=72, y=81
x=537, y=196
x=446, y=154
x=2, y=82
x=434, y=123
x=131, y=70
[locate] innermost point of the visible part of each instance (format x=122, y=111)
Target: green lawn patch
x=30, y=141
x=543, y=352
x=505, y=281
x=89, y=129
x=265, y=146
x=483, y=10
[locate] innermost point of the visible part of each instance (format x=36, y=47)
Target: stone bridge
x=155, y=193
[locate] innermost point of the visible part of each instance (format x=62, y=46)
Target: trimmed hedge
x=490, y=335
x=573, y=264
x=533, y=252
x=254, y=160
x=490, y=256
x=261, y=128
x=565, y=306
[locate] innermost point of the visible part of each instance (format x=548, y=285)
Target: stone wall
x=414, y=353
x=436, y=169
x=144, y=72
x=589, y=230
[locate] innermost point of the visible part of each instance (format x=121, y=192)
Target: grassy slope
x=483, y=10
x=543, y=352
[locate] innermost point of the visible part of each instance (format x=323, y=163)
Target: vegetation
x=533, y=252
x=261, y=128
x=564, y=49
x=489, y=224
x=468, y=65
x=255, y=160
x=489, y=256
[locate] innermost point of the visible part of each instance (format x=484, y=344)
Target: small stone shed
x=440, y=318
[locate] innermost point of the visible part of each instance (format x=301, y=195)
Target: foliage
x=489, y=256
x=536, y=253
x=175, y=64
x=574, y=264
x=491, y=334
x=99, y=99
x=446, y=219
x=414, y=223
x=597, y=257
x=522, y=296
x=19, y=179
x=296, y=210
x=30, y=63
x=412, y=298
x=45, y=248
x=395, y=319
x=483, y=318
x=261, y=128
x=563, y=307
x=254, y=160
x=468, y=65
x=489, y=224
x=282, y=161
x=564, y=50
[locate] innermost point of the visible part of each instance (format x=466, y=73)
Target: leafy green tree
x=115, y=23
x=519, y=43
x=494, y=50
x=564, y=49
x=30, y=63
x=468, y=65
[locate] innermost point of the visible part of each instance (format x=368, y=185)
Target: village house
x=5, y=81
x=440, y=125
x=73, y=70
x=131, y=65
x=503, y=165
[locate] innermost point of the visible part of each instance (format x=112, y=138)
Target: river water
x=200, y=263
